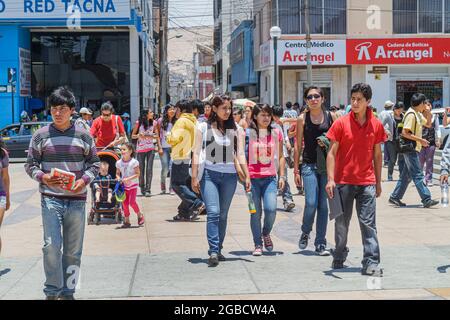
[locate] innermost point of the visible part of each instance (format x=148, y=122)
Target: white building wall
x=134, y=75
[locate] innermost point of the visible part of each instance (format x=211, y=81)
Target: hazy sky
x=189, y=13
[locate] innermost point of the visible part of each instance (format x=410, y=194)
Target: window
x=237, y=49
x=430, y=16
x=447, y=16
x=421, y=16
x=326, y=16
x=289, y=12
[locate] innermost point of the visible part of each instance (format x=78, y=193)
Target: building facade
x=203, y=71
x=102, y=49
x=228, y=15
x=243, y=77
x=398, y=47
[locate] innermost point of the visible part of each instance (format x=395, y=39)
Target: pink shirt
x=145, y=144
x=261, y=154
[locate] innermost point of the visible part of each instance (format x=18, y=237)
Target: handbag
x=125, y=138
x=406, y=145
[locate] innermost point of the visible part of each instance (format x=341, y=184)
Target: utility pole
x=163, y=53
x=308, y=44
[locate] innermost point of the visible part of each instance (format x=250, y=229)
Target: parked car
x=17, y=137
x=445, y=131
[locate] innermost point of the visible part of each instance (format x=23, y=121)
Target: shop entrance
x=432, y=90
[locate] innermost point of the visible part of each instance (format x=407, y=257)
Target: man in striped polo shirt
x=62, y=145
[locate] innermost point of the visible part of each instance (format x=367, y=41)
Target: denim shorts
x=3, y=202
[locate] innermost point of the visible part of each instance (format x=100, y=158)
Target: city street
x=168, y=260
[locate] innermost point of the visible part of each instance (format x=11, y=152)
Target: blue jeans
x=365, y=197
x=63, y=222
x=165, y=162
x=315, y=200
x=263, y=190
x=217, y=191
x=286, y=194
x=411, y=171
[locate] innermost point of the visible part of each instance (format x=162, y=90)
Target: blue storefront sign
x=23, y=10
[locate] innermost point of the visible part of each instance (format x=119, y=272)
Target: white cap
x=85, y=110
x=389, y=103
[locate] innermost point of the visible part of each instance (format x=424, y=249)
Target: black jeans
x=146, y=167
x=180, y=179
x=392, y=151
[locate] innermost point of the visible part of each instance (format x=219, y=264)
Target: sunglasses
x=106, y=115
x=313, y=96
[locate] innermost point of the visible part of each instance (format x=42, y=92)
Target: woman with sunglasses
x=310, y=126
x=108, y=130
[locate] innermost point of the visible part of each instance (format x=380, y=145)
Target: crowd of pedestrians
x=207, y=148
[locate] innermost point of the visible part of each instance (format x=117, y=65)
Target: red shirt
x=105, y=131
x=354, y=159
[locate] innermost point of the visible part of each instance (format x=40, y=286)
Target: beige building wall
x=369, y=18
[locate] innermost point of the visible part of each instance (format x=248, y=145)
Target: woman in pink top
x=265, y=146
x=144, y=132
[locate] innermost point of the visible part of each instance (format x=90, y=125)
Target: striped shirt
x=71, y=150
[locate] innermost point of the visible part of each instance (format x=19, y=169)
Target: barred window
x=421, y=16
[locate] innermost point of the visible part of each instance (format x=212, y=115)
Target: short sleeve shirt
x=262, y=152
x=105, y=131
x=127, y=169
x=414, y=124
x=4, y=163
x=354, y=159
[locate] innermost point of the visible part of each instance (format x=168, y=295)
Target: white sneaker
x=258, y=251
x=430, y=184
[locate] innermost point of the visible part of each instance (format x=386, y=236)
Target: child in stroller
x=101, y=185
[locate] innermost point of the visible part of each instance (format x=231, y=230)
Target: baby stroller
x=104, y=209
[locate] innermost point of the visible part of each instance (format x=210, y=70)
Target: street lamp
x=275, y=33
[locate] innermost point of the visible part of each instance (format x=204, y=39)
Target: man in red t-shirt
x=104, y=128
x=354, y=170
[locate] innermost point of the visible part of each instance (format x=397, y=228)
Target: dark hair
x=165, y=117
x=289, y=105
x=277, y=111
x=184, y=105
x=238, y=110
x=143, y=119
x=107, y=106
x=307, y=90
x=199, y=105
x=257, y=110
x=427, y=101
x=342, y=106
x=62, y=96
x=227, y=124
x=363, y=88
x=296, y=105
x=130, y=147
x=417, y=99
x=2, y=148
x=399, y=105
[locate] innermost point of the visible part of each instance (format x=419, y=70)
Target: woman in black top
x=310, y=126
x=399, y=107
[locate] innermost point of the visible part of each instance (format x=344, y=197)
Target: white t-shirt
x=127, y=170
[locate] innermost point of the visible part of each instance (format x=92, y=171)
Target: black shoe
x=51, y=298
x=213, y=260
x=67, y=297
x=194, y=215
x=430, y=203
x=221, y=257
x=397, y=202
x=337, y=264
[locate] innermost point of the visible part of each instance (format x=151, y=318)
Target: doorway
x=433, y=90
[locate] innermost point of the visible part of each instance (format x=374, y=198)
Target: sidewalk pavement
x=168, y=260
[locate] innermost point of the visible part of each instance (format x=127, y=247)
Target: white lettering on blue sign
x=90, y=5
x=61, y=9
